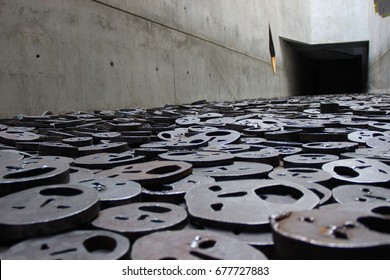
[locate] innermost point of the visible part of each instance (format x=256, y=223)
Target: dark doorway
x=331, y=68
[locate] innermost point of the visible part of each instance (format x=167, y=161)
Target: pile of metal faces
x=286, y=178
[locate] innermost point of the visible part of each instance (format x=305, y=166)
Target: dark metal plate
x=114, y=192
x=232, y=204
x=300, y=175
x=107, y=160
x=74, y=245
x=361, y=193
x=200, y=158
x=192, y=245
x=237, y=170
x=308, y=160
x=46, y=210
x=138, y=219
x=149, y=173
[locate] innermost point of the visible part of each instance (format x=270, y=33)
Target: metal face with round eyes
x=174, y=192
x=192, y=245
x=117, y=147
x=138, y=219
x=199, y=158
x=150, y=173
x=232, y=204
x=114, y=192
x=361, y=193
x=107, y=160
x=308, y=160
x=11, y=137
x=380, y=142
x=74, y=245
x=361, y=136
x=23, y=174
x=333, y=233
x=268, y=156
x=237, y=170
x=359, y=170
x=222, y=137
x=46, y=210
x=334, y=148
x=300, y=175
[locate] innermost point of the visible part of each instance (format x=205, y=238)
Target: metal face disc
x=74, y=245
x=77, y=174
x=114, y=192
x=308, y=160
x=106, y=161
x=268, y=156
x=57, y=149
x=232, y=204
x=330, y=234
x=149, y=173
x=20, y=175
x=174, y=192
x=300, y=175
x=361, y=136
x=228, y=148
x=222, y=137
x=119, y=147
x=11, y=137
x=334, y=148
x=361, y=193
x=237, y=170
x=138, y=219
x=10, y=155
x=359, y=170
x=199, y=158
x=380, y=142
x=192, y=245
x=64, y=160
x=46, y=210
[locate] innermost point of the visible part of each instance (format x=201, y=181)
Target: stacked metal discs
x=287, y=178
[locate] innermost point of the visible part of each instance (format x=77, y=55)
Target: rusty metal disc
x=300, y=175
x=222, y=137
x=74, y=245
x=138, y=219
x=79, y=141
x=359, y=171
x=64, y=160
x=308, y=160
x=11, y=137
x=361, y=136
x=20, y=175
x=330, y=234
x=114, y=192
x=361, y=193
x=237, y=170
x=199, y=158
x=46, y=210
x=231, y=204
x=379, y=142
x=228, y=148
x=107, y=160
x=10, y=155
x=192, y=245
x=57, y=149
x=149, y=173
x=174, y=192
x=117, y=147
x=268, y=156
x=77, y=174
x=334, y=148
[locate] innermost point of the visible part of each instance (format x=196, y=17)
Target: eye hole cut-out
x=155, y=209
x=217, y=206
x=164, y=170
x=157, y=221
x=100, y=244
x=346, y=172
x=142, y=217
x=168, y=259
x=235, y=194
x=67, y=192
x=215, y=188
x=121, y=218
x=206, y=244
x=381, y=210
x=279, y=194
x=29, y=173
x=44, y=247
x=376, y=224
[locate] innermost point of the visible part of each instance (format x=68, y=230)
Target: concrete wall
x=83, y=55
x=379, y=66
